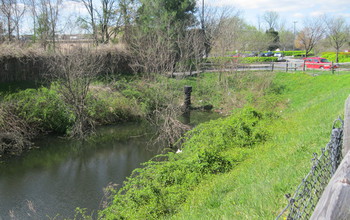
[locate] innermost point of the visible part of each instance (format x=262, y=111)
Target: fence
x=302, y=204
x=34, y=67
x=286, y=66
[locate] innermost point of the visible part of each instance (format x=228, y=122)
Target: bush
x=296, y=53
x=342, y=56
x=43, y=109
x=258, y=59
x=106, y=107
x=158, y=189
x=223, y=60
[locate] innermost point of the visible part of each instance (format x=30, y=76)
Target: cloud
x=289, y=10
x=73, y=7
x=307, y=6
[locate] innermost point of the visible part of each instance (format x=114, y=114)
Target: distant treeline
x=35, y=67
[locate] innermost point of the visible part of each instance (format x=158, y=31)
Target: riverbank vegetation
x=44, y=109
x=239, y=167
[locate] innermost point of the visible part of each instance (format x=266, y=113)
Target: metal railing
x=302, y=204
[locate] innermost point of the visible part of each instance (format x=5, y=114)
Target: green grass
x=342, y=56
x=255, y=189
x=229, y=168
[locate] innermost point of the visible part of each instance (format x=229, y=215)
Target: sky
x=290, y=11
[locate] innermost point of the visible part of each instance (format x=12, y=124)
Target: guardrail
x=271, y=66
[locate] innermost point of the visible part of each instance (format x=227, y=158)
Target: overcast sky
x=289, y=10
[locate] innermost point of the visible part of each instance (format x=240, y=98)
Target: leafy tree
x=256, y=40
x=275, y=39
x=286, y=39
x=162, y=14
x=158, y=29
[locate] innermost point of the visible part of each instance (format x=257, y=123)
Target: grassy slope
x=256, y=188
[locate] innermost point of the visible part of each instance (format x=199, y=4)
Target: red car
x=319, y=63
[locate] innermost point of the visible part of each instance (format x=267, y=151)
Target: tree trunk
x=337, y=56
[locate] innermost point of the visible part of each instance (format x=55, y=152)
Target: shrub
x=42, y=108
x=296, y=53
x=106, y=107
x=223, y=60
x=342, y=56
x=158, y=189
x=258, y=59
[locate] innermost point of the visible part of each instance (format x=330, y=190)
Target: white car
x=278, y=54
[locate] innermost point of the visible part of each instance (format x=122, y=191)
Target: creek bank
x=63, y=174
x=27, y=113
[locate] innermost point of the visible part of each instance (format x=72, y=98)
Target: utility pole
x=294, y=36
x=203, y=32
x=203, y=15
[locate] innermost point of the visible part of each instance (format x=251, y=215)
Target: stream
x=51, y=181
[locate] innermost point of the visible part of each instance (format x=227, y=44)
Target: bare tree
x=154, y=52
x=310, y=35
x=18, y=13
x=214, y=23
x=91, y=9
x=54, y=7
x=110, y=19
x=271, y=18
x=6, y=8
x=13, y=12
x=2, y=31
x=169, y=128
x=229, y=35
x=47, y=17
x=190, y=50
x=32, y=4
x=127, y=10
x=74, y=74
x=286, y=39
x=337, y=33
x=104, y=20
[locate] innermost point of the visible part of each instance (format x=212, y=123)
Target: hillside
x=240, y=167
x=256, y=188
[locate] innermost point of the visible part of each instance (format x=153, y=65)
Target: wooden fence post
x=304, y=66
x=346, y=132
x=335, y=199
x=272, y=66
x=286, y=66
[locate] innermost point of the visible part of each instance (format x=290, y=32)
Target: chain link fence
x=302, y=204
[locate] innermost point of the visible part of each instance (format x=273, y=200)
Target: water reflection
x=64, y=174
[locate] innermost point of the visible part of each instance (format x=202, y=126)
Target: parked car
x=268, y=54
x=319, y=63
x=252, y=54
x=278, y=54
